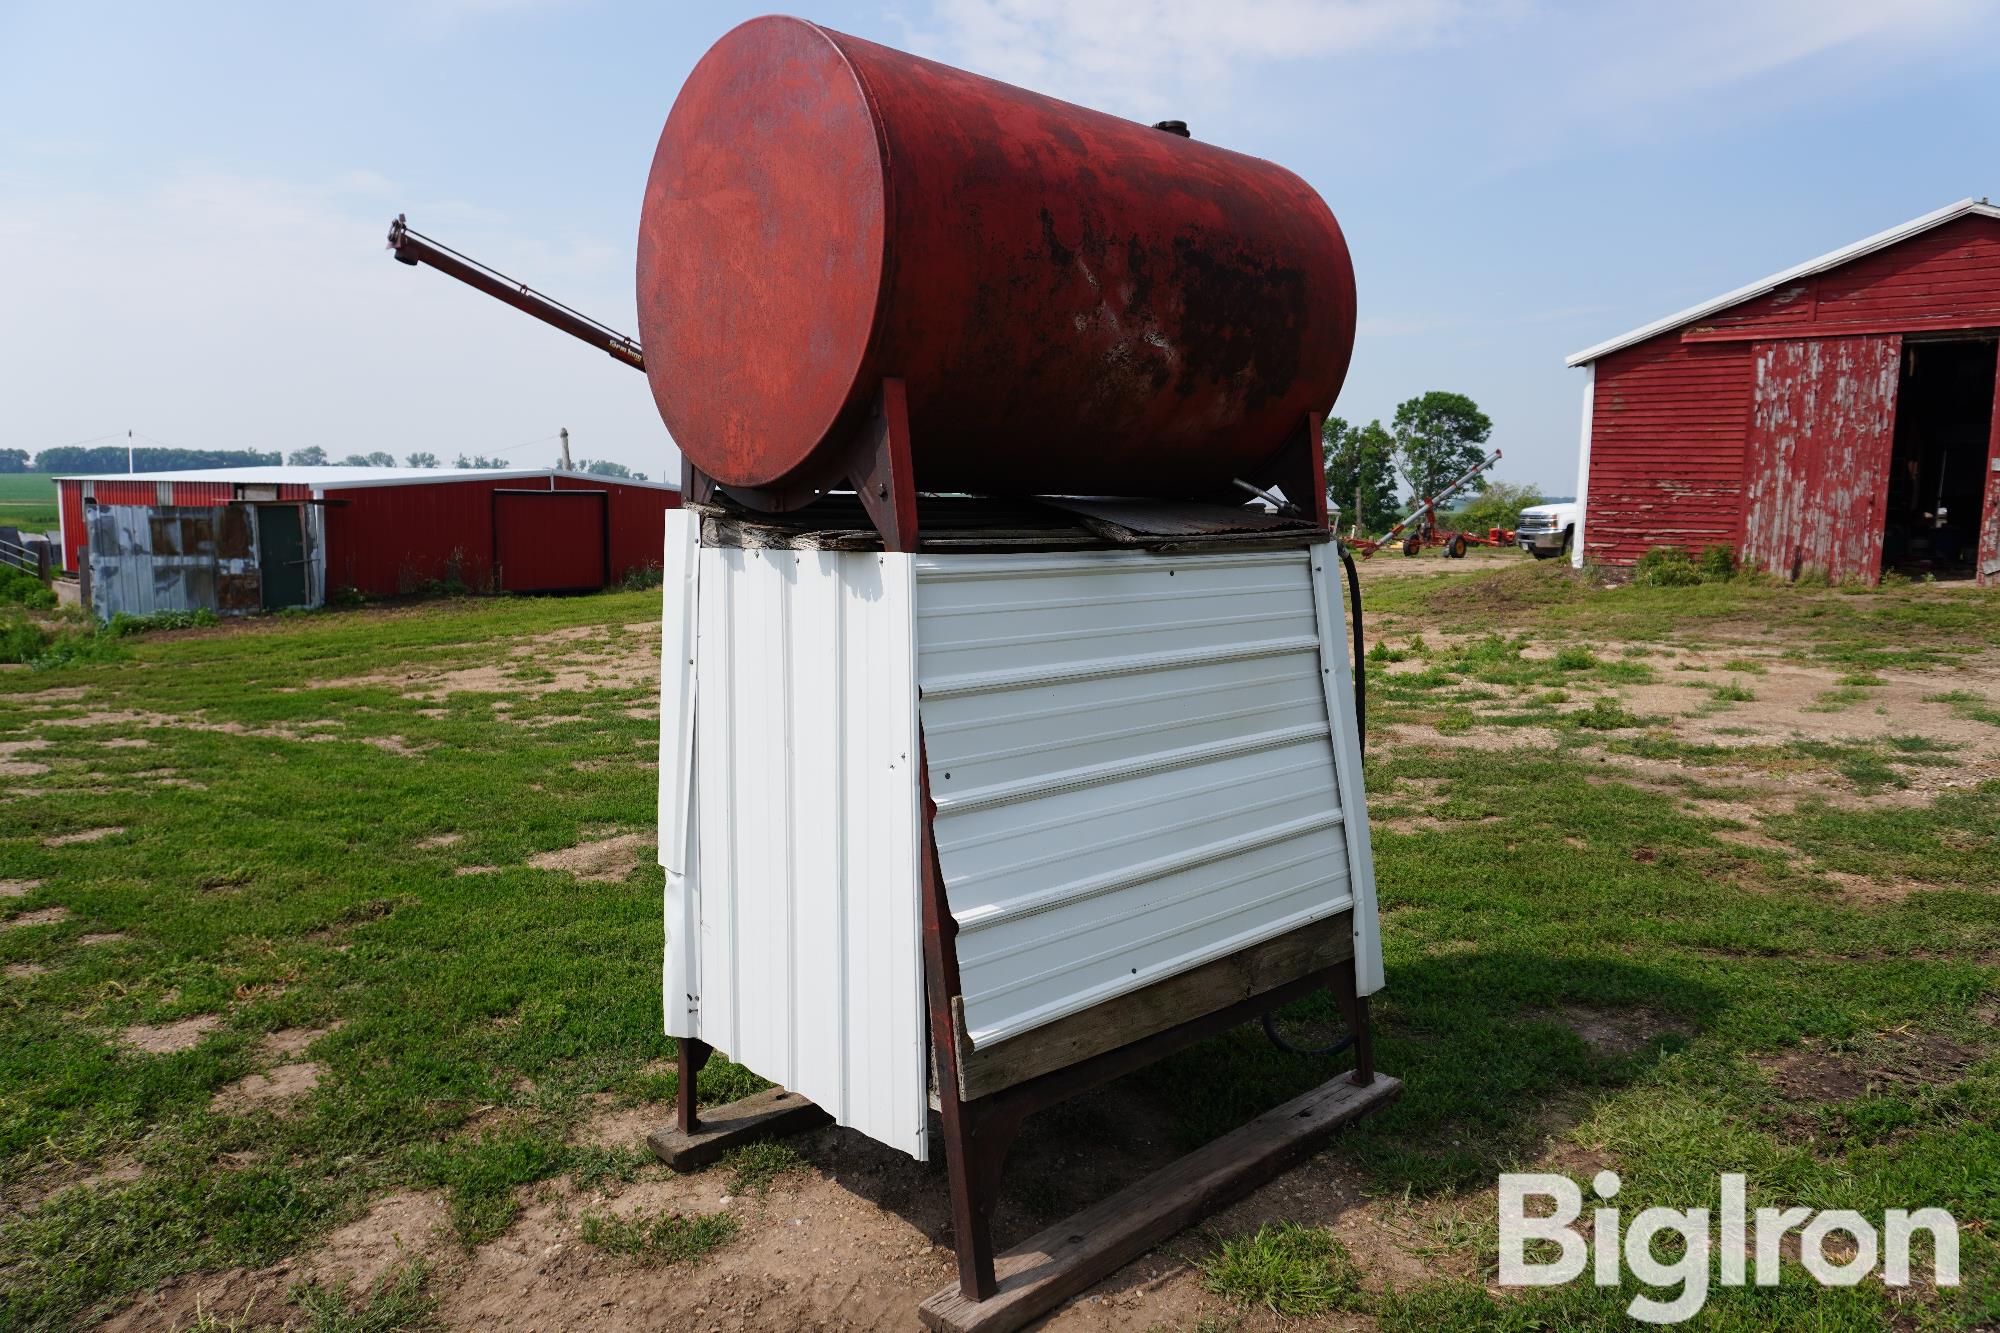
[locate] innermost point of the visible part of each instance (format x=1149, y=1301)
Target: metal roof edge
x=1832, y=259
x=317, y=481
x=481, y=475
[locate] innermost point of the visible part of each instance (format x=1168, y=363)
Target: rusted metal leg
x=977, y=1138
x=693, y=1055
x=1354, y=1012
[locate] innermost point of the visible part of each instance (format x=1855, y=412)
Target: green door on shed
x=281, y=555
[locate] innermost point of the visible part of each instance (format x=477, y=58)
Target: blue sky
x=193, y=196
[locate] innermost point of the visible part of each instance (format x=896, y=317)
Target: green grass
x=753, y=1167
x=473, y=1020
x=1285, y=1268
x=398, y=1302
x=28, y=501
x=665, y=1237
x=287, y=889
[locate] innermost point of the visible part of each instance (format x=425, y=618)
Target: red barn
x=1837, y=418
x=387, y=531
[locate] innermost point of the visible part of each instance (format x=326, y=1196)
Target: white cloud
x=1145, y=57
x=224, y=311
x=1521, y=80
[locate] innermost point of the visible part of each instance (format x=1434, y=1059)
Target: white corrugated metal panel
x=1133, y=766
x=679, y=565
x=804, y=853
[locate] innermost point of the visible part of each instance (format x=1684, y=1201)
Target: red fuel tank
x=1077, y=304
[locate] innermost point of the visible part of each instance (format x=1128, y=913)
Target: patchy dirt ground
x=861, y=1234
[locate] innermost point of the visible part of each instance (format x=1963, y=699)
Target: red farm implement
x=1421, y=528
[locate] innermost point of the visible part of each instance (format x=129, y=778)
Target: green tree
x=604, y=467
x=478, y=460
x=381, y=458
x=1360, y=473
x=1498, y=506
x=422, y=458
x=13, y=460
x=1438, y=436
x=310, y=456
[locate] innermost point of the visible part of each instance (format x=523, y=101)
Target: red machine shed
x=390, y=531
x=1837, y=418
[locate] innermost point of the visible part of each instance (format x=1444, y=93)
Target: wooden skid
x=1070, y=1256
x=769, y=1114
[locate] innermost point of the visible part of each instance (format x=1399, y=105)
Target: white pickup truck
x=1545, y=531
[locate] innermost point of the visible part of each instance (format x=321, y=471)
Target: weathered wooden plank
x=1141, y=1013
x=772, y=1113
x=1069, y=1257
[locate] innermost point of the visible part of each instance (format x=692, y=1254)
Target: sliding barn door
x=1822, y=425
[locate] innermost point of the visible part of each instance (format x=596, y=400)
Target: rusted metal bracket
x=1299, y=469
x=697, y=487
x=879, y=469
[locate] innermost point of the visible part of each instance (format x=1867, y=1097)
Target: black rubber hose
x=1360, y=663
x=1271, y=1031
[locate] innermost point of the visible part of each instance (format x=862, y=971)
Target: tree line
x=83, y=460
x=1430, y=441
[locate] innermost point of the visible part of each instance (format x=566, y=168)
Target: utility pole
x=566, y=466
x=130, y=466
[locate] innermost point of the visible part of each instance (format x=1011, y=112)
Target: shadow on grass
x=1487, y=1046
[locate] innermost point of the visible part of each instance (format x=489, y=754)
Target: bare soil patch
x=396, y=1229
x=41, y=916
x=282, y=1086
x=583, y=658
x=293, y=1041
x=21, y=971
x=18, y=888
x=437, y=840
x=1815, y=1074
x=102, y=937
x=1618, y=1032
x=608, y=858
x=168, y=1038
x=85, y=835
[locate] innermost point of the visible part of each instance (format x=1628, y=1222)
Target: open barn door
x=1816, y=465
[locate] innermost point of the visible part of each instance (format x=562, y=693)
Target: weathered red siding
x=1816, y=466
x=1666, y=457
x=69, y=501
x=1684, y=452
x=384, y=541
x=1945, y=278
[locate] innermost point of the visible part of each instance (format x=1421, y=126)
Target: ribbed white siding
x=1133, y=766
x=801, y=866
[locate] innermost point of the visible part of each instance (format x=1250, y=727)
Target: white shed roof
x=1832, y=259
x=334, y=477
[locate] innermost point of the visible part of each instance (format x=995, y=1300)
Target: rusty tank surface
x=1075, y=303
